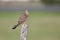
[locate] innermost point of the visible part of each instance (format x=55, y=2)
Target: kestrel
x=22, y=19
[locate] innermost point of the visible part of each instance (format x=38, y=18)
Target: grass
x=42, y=25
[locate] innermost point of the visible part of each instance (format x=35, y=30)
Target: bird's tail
x=16, y=26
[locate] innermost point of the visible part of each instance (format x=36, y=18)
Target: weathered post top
x=24, y=30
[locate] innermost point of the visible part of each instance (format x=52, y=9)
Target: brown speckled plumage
x=22, y=19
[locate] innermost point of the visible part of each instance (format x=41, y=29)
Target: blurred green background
x=43, y=25
x=43, y=21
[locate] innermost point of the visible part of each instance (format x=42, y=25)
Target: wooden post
x=24, y=30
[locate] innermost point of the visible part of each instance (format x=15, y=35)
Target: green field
x=42, y=25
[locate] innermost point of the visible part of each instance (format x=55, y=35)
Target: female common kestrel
x=22, y=19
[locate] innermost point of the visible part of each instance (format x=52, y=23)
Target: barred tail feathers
x=15, y=26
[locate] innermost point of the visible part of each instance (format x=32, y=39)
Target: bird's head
x=26, y=12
